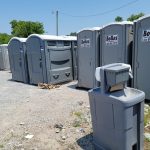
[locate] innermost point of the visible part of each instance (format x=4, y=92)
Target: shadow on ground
x=147, y=101
x=86, y=142
x=75, y=87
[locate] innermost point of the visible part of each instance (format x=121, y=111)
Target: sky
x=44, y=12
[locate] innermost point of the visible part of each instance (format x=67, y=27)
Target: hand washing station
x=117, y=111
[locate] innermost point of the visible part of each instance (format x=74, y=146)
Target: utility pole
x=57, y=22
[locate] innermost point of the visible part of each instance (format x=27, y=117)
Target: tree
x=25, y=28
x=118, y=19
x=4, y=38
x=135, y=16
x=73, y=34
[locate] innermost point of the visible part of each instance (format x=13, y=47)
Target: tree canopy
x=4, y=38
x=130, y=18
x=135, y=16
x=25, y=28
x=73, y=34
x=118, y=19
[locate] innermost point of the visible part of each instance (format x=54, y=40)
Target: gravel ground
x=59, y=118
x=39, y=119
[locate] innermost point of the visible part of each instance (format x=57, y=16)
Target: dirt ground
x=37, y=119
x=59, y=118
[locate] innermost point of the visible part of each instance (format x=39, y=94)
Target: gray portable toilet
x=117, y=111
x=141, y=60
x=4, y=58
x=88, y=56
x=117, y=43
x=18, y=59
x=49, y=58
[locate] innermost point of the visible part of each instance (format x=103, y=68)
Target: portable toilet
x=4, y=58
x=18, y=59
x=49, y=58
x=116, y=43
x=141, y=60
x=88, y=56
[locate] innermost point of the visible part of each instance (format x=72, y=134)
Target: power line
x=102, y=13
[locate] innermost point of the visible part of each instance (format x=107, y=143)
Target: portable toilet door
x=1, y=58
x=88, y=57
x=116, y=42
x=141, y=61
x=17, y=57
x=36, y=59
x=60, y=60
x=4, y=58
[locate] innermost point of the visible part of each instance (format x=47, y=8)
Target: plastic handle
x=56, y=76
x=40, y=64
x=20, y=64
x=67, y=74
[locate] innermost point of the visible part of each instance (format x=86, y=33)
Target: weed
x=1, y=146
x=77, y=123
x=78, y=114
x=147, y=117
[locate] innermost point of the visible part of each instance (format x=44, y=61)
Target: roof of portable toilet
x=90, y=29
x=141, y=18
x=18, y=39
x=4, y=45
x=118, y=23
x=54, y=37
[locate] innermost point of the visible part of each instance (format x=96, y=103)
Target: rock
x=146, y=106
x=77, y=130
x=12, y=132
x=29, y=136
x=22, y=123
x=59, y=126
x=147, y=136
x=63, y=137
x=88, y=106
x=57, y=130
x=82, y=130
x=80, y=103
x=19, y=145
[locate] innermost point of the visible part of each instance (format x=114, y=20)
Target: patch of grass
x=147, y=139
x=147, y=118
x=1, y=146
x=71, y=147
x=80, y=119
x=146, y=144
x=78, y=114
x=77, y=123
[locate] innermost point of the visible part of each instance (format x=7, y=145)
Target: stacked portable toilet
x=141, y=61
x=18, y=59
x=116, y=43
x=49, y=58
x=88, y=56
x=4, y=58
